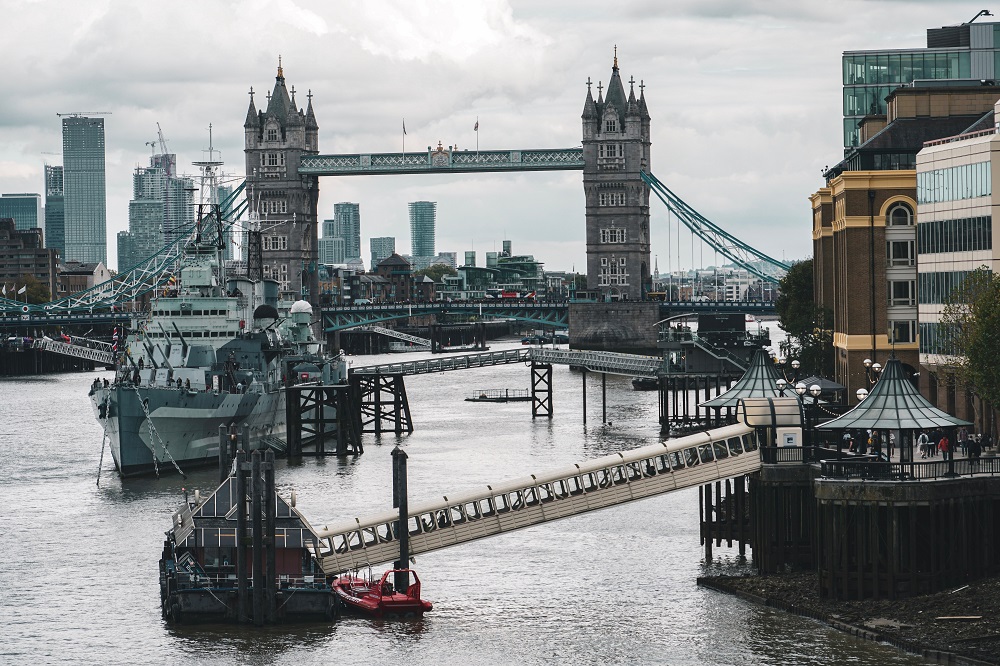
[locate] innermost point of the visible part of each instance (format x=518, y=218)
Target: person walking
x=923, y=442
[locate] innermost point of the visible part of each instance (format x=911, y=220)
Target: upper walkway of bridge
x=453, y=519
x=612, y=363
x=443, y=160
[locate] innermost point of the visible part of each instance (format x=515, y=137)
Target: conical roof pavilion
x=759, y=381
x=893, y=404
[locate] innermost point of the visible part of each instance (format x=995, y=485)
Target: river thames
x=78, y=561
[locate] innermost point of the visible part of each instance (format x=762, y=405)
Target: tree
x=36, y=292
x=436, y=272
x=969, y=333
x=809, y=327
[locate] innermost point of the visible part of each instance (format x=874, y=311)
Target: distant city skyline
x=781, y=60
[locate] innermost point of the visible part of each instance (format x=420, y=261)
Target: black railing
x=895, y=471
x=777, y=455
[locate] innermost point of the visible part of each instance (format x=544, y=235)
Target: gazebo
x=894, y=404
x=759, y=381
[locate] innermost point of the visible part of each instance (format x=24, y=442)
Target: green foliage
x=809, y=328
x=436, y=272
x=971, y=326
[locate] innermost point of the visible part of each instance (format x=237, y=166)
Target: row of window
x=272, y=159
x=612, y=236
x=936, y=287
x=197, y=313
x=191, y=334
x=936, y=339
x=611, y=150
x=897, y=68
x=272, y=272
x=274, y=243
x=611, y=199
x=967, y=181
x=964, y=234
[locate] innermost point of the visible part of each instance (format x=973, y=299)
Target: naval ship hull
x=185, y=424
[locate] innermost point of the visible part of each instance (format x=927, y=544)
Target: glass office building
x=382, y=247
x=84, y=190
x=55, y=234
x=347, y=220
x=961, y=52
x=24, y=209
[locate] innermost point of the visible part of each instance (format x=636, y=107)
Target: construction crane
x=77, y=114
x=163, y=141
x=152, y=147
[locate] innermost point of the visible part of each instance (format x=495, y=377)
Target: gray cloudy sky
x=745, y=99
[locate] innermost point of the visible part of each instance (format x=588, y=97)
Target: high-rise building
x=969, y=51
x=24, y=209
x=616, y=143
x=422, y=218
x=382, y=247
x=160, y=210
x=332, y=249
x=275, y=141
x=955, y=236
x=347, y=217
x=84, y=190
x=22, y=254
x=55, y=221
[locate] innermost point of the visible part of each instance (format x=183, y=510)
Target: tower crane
x=152, y=147
x=77, y=114
x=163, y=141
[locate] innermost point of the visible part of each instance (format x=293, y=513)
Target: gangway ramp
x=91, y=350
x=446, y=363
x=406, y=337
x=660, y=468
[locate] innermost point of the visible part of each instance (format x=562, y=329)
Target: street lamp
x=814, y=391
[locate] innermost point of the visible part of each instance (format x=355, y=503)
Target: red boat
x=380, y=599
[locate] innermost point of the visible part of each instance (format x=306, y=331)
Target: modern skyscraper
x=55, y=218
x=382, y=247
x=24, y=209
x=422, y=218
x=84, y=190
x=969, y=51
x=161, y=208
x=347, y=217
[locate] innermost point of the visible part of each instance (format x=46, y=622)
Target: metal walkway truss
x=458, y=518
x=344, y=317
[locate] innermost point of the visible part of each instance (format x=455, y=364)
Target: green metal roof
x=894, y=404
x=759, y=381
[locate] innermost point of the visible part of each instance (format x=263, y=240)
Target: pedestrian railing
x=777, y=455
x=909, y=471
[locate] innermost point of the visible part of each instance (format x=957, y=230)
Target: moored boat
x=379, y=598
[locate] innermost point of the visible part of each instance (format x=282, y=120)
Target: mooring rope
x=152, y=434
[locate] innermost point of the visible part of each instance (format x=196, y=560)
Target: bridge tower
x=615, y=150
x=285, y=202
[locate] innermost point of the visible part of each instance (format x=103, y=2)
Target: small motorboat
x=645, y=383
x=380, y=599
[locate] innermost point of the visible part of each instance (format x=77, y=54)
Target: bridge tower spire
x=285, y=201
x=616, y=142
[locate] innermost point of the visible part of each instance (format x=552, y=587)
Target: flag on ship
x=22, y=289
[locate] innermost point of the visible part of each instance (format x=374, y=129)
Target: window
x=900, y=253
x=613, y=271
x=902, y=292
x=902, y=331
x=612, y=235
x=899, y=216
x=610, y=126
x=273, y=159
x=272, y=133
x=276, y=206
x=611, y=199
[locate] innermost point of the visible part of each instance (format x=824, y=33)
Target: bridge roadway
x=458, y=518
x=607, y=362
x=545, y=313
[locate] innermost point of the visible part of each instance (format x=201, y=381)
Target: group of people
x=870, y=441
x=930, y=444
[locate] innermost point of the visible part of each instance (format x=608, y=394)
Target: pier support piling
x=541, y=390
x=399, y=501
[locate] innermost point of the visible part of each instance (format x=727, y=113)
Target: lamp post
x=814, y=391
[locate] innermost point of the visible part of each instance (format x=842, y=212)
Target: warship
x=208, y=352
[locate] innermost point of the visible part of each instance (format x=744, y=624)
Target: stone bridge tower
x=615, y=150
x=285, y=202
